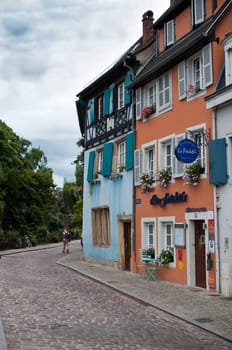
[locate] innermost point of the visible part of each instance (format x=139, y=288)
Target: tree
x=27, y=196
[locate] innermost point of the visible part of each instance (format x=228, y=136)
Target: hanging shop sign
x=168, y=198
x=186, y=151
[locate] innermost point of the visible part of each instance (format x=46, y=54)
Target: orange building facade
x=174, y=200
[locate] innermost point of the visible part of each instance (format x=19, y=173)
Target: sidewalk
x=209, y=311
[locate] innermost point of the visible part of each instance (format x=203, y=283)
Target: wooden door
x=200, y=254
x=127, y=244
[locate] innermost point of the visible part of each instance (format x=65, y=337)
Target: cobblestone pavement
x=44, y=305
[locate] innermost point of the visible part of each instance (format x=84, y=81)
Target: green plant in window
x=192, y=173
x=149, y=252
x=167, y=256
x=147, y=182
x=165, y=176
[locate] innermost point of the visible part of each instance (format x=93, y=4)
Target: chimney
x=147, y=26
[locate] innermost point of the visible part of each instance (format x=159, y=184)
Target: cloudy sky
x=49, y=51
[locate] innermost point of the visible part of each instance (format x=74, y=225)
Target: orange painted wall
x=184, y=114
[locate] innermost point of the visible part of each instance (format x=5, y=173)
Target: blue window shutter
x=91, y=111
x=111, y=99
x=107, y=159
x=129, y=150
x=127, y=97
x=106, y=102
x=217, y=162
x=90, y=166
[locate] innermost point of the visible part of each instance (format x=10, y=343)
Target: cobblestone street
x=47, y=306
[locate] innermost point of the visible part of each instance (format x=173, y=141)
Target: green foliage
x=150, y=252
x=167, y=256
x=27, y=197
x=77, y=215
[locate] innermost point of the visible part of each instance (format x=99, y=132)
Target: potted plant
x=166, y=256
x=192, y=90
x=149, y=252
x=165, y=176
x=192, y=173
x=147, y=181
x=147, y=111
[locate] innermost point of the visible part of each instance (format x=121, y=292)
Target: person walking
x=66, y=236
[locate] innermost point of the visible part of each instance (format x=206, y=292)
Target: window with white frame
x=228, y=58
x=100, y=107
x=198, y=11
x=156, y=94
x=149, y=159
x=99, y=160
x=195, y=73
x=164, y=91
x=167, y=158
x=121, y=95
x=121, y=159
x=198, y=135
x=148, y=233
x=166, y=233
x=169, y=33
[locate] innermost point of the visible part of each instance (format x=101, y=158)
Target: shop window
x=101, y=227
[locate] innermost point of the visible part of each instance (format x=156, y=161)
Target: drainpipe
x=217, y=233
x=133, y=231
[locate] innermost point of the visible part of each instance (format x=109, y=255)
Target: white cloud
x=50, y=50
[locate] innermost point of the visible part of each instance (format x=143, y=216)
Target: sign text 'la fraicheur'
x=186, y=151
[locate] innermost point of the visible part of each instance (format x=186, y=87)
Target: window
x=101, y=227
x=166, y=233
x=164, y=94
x=195, y=74
x=138, y=102
x=149, y=160
x=169, y=33
x=148, y=233
x=198, y=135
x=157, y=94
x=198, y=11
x=120, y=95
x=99, y=158
x=167, y=158
x=228, y=58
x=99, y=107
x=121, y=162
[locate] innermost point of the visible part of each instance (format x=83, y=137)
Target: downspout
x=133, y=228
x=218, y=258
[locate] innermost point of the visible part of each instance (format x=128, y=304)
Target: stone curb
x=3, y=345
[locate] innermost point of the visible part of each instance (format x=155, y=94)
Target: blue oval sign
x=186, y=151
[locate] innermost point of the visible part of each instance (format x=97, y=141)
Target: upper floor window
x=121, y=95
x=149, y=160
x=198, y=135
x=167, y=158
x=99, y=160
x=228, y=58
x=198, y=11
x=169, y=33
x=157, y=95
x=195, y=73
x=100, y=107
x=121, y=162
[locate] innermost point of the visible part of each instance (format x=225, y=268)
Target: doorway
x=127, y=244
x=200, y=255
